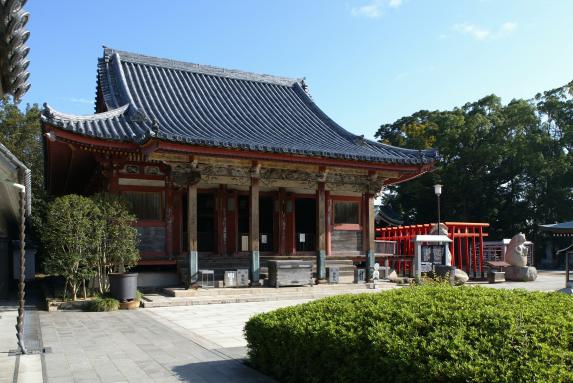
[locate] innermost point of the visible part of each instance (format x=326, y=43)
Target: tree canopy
x=510, y=165
x=20, y=132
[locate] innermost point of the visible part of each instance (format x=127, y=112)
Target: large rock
x=520, y=273
x=516, y=253
x=456, y=276
x=393, y=276
x=460, y=277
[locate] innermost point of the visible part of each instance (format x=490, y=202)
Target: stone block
x=333, y=274
x=359, y=275
x=496, y=276
x=520, y=273
x=242, y=277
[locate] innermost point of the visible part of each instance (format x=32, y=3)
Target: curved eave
x=112, y=125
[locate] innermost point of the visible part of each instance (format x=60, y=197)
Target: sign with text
x=432, y=255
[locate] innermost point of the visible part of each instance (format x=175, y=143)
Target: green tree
x=509, y=165
x=20, y=132
x=71, y=234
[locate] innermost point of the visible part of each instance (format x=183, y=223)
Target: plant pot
x=123, y=286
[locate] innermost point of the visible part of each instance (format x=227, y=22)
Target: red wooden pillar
x=231, y=208
x=290, y=234
x=221, y=220
x=177, y=220
x=460, y=265
x=467, y=250
x=474, y=252
x=282, y=222
x=481, y=250
x=169, y=219
x=328, y=209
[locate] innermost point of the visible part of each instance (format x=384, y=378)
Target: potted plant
x=117, y=249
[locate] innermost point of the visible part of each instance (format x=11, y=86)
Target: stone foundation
x=520, y=274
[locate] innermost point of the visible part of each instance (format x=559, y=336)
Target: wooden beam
x=254, y=263
x=369, y=229
x=192, y=233
x=321, y=231
x=282, y=221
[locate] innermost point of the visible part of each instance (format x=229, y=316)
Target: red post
x=453, y=238
x=467, y=250
x=474, y=250
x=460, y=258
x=481, y=250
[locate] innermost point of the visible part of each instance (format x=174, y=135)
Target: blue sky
x=366, y=62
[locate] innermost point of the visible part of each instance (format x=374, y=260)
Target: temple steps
x=182, y=297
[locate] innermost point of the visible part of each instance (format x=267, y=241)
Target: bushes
x=102, y=304
x=427, y=333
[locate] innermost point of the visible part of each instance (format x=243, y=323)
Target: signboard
x=333, y=275
x=360, y=276
x=245, y=243
x=242, y=277
x=301, y=237
x=264, y=239
x=432, y=255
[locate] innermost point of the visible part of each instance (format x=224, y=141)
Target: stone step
x=182, y=292
x=319, y=291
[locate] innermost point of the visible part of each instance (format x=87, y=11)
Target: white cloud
x=375, y=8
x=508, y=26
x=473, y=30
x=80, y=100
x=482, y=33
x=371, y=10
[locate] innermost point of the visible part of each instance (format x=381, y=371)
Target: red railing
x=466, y=248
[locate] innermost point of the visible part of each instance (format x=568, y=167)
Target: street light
x=438, y=191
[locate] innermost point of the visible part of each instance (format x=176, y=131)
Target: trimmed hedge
x=418, y=334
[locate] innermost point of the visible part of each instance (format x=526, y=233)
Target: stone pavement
x=16, y=368
x=132, y=346
x=218, y=326
x=8, y=342
x=546, y=281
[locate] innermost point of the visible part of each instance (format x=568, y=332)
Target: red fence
x=466, y=249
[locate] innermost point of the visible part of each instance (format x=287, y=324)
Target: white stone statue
x=376, y=272
x=516, y=253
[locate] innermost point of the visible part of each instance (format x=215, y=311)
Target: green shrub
x=432, y=333
x=102, y=304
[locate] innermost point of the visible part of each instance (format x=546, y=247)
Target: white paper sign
x=301, y=237
x=263, y=238
x=245, y=243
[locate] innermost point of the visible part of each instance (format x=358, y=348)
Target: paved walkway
x=13, y=367
x=132, y=346
x=546, y=281
x=218, y=326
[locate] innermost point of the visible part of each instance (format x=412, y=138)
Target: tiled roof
x=562, y=227
x=13, y=50
x=149, y=97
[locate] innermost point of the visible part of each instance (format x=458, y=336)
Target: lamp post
x=437, y=192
